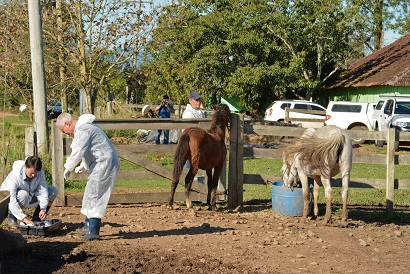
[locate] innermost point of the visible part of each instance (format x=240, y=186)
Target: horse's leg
x=316, y=186
x=345, y=188
x=345, y=167
x=305, y=192
x=193, y=170
x=214, y=185
x=171, y=197
x=209, y=183
x=188, y=184
x=328, y=196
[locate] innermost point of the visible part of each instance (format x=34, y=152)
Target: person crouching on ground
x=94, y=150
x=28, y=188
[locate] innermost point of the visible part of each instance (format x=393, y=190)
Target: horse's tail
x=181, y=155
x=318, y=152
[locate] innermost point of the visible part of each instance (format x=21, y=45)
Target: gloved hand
x=81, y=168
x=66, y=174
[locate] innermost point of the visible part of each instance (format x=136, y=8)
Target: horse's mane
x=220, y=118
x=317, y=152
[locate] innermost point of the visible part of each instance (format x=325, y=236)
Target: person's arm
x=170, y=108
x=79, y=145
x=157, y=108
x=41, y=191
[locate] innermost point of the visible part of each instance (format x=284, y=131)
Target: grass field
x=254, y=193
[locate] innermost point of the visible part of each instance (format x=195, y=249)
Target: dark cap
x=165, y=97
x=194, y=95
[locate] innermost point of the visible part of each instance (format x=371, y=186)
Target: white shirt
x=190, y=112
x=17, y=180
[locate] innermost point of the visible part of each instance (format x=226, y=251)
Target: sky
x=390, y=37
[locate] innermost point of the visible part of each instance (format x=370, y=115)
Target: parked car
x=55, y=108
x=350, y=116
x=393, y=111
x=276, y=112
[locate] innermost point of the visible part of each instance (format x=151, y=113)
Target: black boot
x=93, y=229
x=36, y=217
x=12, y=220
x=86, y=226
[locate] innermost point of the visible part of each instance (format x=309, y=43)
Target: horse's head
x=224, y=112
x=290, y=176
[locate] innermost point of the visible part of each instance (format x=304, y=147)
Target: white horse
x=319, y=154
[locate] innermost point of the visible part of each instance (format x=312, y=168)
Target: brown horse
x=204, y=150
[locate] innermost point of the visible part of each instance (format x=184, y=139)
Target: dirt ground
x=150, y=238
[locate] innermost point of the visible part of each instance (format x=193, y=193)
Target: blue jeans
x=166, y=136
x=24, y=199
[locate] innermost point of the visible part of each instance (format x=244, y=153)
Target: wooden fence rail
x=134, y=154
x=390, y=183
x=237, y=151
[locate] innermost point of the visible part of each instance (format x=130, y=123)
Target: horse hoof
x=170, y=207
x=343, y=223
x=326, y=222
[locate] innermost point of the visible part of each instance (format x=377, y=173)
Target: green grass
x=359, y=170
x=13, y=149
x=263, y=193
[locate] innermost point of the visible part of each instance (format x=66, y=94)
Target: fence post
x=29, y=142
x=391, y=138
x=57, y=163
x=286, y=114
x=235, y=175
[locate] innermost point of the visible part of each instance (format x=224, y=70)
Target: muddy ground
x=149, y=238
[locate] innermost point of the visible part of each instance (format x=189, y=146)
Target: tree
x=108, y=35
x=377, y=16
x=256, y=50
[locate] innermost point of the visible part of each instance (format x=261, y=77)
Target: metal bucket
x=287, y=201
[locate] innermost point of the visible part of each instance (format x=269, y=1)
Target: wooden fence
x=389, y=160
x=132, y=153
x=237, y=151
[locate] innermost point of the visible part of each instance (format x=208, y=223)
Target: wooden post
x=29, y=142
x=286, y=115
x=109, y=108
x=391, y=138
x=57, y=163
x=235, y=176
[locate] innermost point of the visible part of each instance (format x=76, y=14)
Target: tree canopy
x=257, y=50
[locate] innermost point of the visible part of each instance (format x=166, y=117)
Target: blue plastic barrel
x=288, y=201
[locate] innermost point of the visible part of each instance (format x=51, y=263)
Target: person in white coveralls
x=92, y=147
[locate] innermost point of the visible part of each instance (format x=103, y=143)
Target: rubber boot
x=85, y=227
x=12, y=220
x=93, y=229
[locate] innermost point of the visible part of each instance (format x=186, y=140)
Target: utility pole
x=38, y=75
x=61, y=56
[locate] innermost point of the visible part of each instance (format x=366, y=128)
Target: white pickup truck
x=393, y=111
x=350, y=116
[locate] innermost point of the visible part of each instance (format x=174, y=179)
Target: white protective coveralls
x=98, y=155
x=17, y=181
